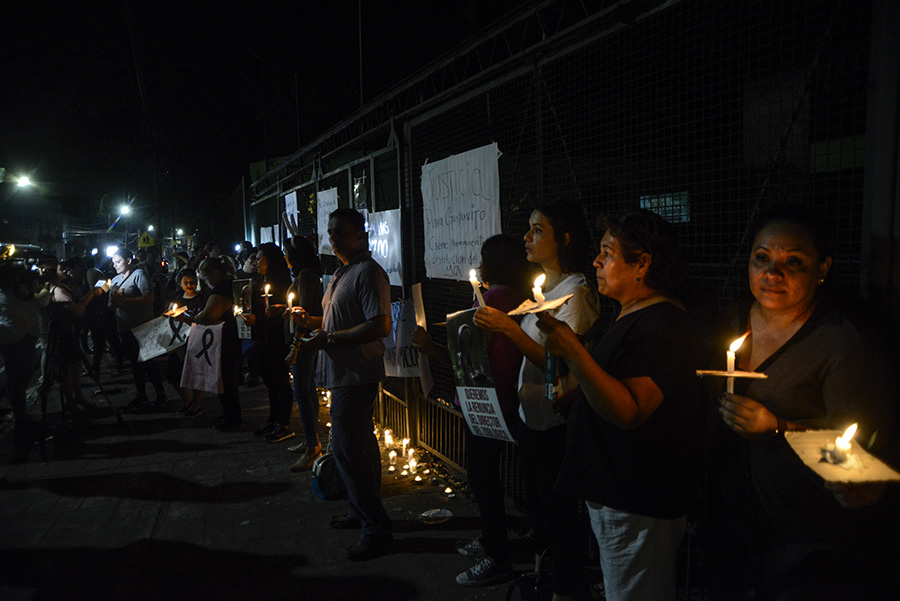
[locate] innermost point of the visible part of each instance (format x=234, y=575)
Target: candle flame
x=174, y=306
x=290, y=298
x=267, y=288
x=472, y=277
x=448, y=490
x=848, y=435
x=539, y=281
x=737, y=343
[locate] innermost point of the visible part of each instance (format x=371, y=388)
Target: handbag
x=326, y=479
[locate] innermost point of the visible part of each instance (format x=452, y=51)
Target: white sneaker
x=307, y=459
x=485, y=573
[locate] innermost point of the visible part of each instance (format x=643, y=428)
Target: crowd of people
x=625, y=444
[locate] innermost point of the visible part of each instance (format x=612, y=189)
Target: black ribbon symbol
x=208, y=339
x=175, y=326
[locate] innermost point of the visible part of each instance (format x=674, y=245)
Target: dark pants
x=553, y=515
x=20, y=359
x=304, y=371
x=230, y=399
x=357, y=456
x=277, y=379
x=483, y=467
x=141, y=371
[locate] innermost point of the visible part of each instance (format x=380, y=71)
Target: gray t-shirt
x=356, y=293
x=133, y=285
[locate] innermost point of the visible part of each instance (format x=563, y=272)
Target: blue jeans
x=304, y=372
x=358, y=459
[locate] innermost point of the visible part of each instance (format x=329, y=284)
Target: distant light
x=180, y=232
x=111, y=250
x=24, y=181
x=237, y=248
x=125, y=210
x=94, y=251
x=149, y=228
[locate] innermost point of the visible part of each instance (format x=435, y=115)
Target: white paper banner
x=290, y=204
x=326, y=202
x=401, y=359
x=265, y=235
x=461, y=204
x=159, y=336
x=384, y=243
x=203, y=359
x=474, y=381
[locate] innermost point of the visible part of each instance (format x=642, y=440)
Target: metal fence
x=705, y=111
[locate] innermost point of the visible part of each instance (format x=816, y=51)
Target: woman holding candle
x=636, y=424
x=307, y=288
x=194, y=302
x=826, y=370
x=217, y=275
x=269, y=329
x=131, y=297
x=507, y=274
x=557, y=240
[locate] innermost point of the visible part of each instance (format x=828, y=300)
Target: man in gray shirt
x=357, y=317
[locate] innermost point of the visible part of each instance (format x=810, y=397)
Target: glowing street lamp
x=23, y=182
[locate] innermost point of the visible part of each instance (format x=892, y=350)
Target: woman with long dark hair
x=269, y=328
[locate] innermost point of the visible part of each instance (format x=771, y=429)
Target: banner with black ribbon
x=203, y=359
x=159, y=336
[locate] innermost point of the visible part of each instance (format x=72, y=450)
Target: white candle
x=729, y=357
x=842, y=445
x=392, y=457
x=419, y=480
x=389, y=439
x=405, y=444
x=413, y=465
x=538, y=293
x=476, y=285
x=291, y=304
x=237, y=310
x=266, y=295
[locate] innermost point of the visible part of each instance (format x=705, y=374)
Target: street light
x=23, y=182
x=125, y=211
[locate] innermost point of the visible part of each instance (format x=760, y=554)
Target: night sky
x=96, y=94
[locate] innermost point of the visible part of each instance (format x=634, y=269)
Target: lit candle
x=404, y=473
x=290, y=305
x=411, y=453
x=413, y=465
x=419, y=480
x=476, y=285
x=389, y=439
x=842, y=445
x=448, y=491
x=267, y=295
x=405, y=444
x=174, y=307
x=237, y=310
x=106, y=285
x=392, y=457
x=729, y=356
x=538, y=293
x=391, y=468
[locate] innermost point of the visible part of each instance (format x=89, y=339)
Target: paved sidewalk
x=177, y=510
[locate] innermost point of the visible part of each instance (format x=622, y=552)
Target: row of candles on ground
x=411, y=467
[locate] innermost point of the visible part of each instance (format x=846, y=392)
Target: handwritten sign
x=203, y=359
x=474, y=381
x=326, y=203
x=384, y=243
x=401, y=359
x=290, y=204
x=265, y=235
x=159, y=336
x=461, y=207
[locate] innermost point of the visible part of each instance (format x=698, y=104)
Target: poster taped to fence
x=384, y=243
x=326, y=202
x=461, y=209
x=203, y=359
x=290, y=204
x=401, y=359
x=474, y=381
x=159, y=336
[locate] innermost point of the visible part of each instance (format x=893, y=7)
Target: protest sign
x=474, y=381
x=159, y=336
x=401, y=359
x=203, y=359
x=326, y=203
x=461, y=209
x=384, y=243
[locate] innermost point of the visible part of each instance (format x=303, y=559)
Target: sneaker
x=470, y=548
x=266, y=428
x=139, y=400
x=297, y=448
x=485, y=573
x=280, y=433
x=307, y=459
x=368, y=548
x=222, y=426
